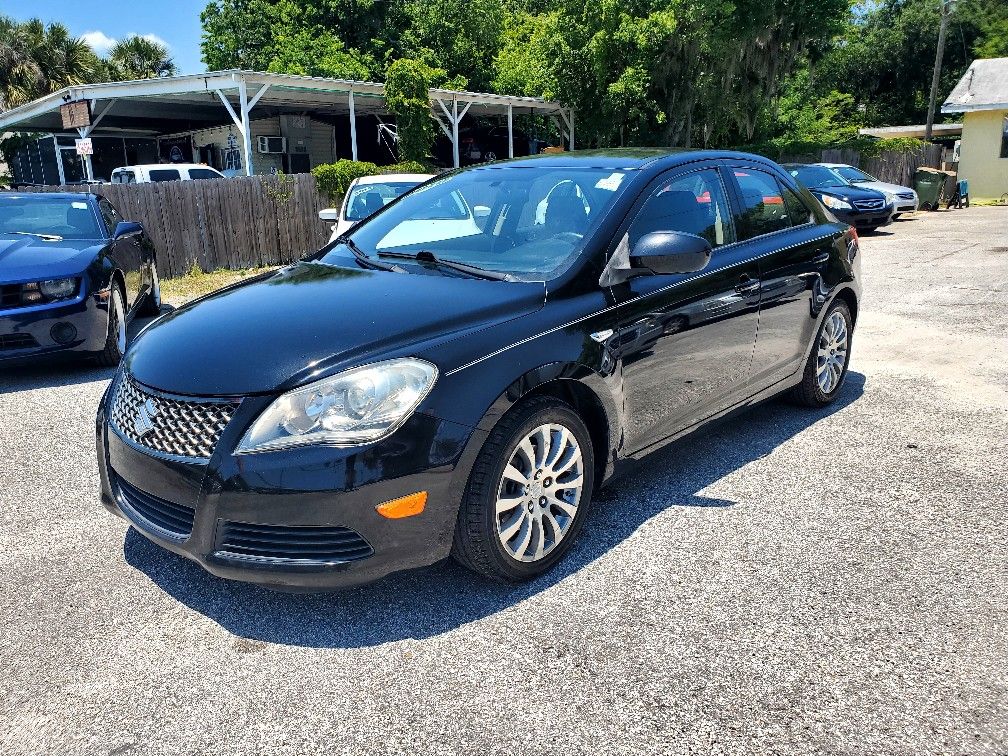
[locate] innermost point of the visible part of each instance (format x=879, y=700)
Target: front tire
x=826, y=368
x=115, y=335
x=528, y=493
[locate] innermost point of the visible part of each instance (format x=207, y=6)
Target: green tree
x=38, y=58
x=139, y=58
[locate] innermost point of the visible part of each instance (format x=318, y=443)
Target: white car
x=145, y=174
x=904, y=199
x=367, y=195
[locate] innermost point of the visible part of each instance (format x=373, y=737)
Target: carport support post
x=88, y=174
x=510, y=132
x=455, y=144
x=353, y=128
x=246, y=131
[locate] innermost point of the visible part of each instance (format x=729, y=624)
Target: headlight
x=835, y=204
x=58, y=288
x=353, y=407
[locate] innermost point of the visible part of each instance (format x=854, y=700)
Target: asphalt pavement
x=793, y=582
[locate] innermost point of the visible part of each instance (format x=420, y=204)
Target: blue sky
x=176, y=23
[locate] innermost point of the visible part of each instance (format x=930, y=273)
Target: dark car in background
x=485, y=143
x=433, y=384
x=72, y=274
x=865, y=209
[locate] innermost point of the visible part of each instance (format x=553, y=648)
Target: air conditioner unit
x=272, y=144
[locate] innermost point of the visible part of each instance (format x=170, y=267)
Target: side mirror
x=329, y=214
x=125, y=229
x=665, y=252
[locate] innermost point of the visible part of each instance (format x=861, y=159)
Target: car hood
x=882, y=186
x=849, y=192
x=25, y=258
x=286, y=328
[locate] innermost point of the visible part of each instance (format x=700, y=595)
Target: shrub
x=407, y=94
x=333, y=179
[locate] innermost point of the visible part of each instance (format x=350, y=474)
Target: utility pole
x=946, y=11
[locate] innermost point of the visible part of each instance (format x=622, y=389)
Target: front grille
x=869, y=204
x=164, y=518
x=170, y=425
x=291, y=544
x=17, y=341
x=905, y=195
x=10, y=296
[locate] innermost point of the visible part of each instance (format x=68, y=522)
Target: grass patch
x=196, y=283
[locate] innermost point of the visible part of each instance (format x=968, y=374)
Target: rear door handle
x=747, y=285
x=820, y=258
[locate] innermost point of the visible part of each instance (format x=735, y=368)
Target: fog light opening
x=63, y=333
x=405, y=506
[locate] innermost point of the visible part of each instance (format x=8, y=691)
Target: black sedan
x=863, y=208
x=439, y=382
x=72, y=274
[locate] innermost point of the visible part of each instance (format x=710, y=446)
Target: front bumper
x=29, y=333
x=277, y=502
x=866, y=218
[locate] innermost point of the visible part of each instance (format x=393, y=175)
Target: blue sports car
x=72, y=275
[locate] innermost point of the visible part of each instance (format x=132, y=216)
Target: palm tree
x=20, y=75
x=139, y=58
x=36, y=59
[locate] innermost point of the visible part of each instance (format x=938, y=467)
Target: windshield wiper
x=44, y=237
x=472, y=270
x=366, y=261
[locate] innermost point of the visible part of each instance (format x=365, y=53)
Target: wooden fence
x=242, y=222
x=894, y=167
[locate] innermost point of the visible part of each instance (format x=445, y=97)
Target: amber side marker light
x=405, y=506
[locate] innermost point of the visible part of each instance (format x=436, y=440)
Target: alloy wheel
x=833, y=345
x=539, y=492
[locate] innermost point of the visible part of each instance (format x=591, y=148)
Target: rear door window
x=164, y=174
x=203, y=173
x=798, y=211
x=763, y=209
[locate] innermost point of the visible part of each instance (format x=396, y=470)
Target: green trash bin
x=928, y=183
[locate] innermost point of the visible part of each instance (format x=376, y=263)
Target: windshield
x=367, y=199
x=817, y=175
x=854, y=175
x=46, y=215
x=529, y=222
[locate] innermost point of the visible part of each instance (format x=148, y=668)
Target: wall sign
x=84, y=146
x=76, y=114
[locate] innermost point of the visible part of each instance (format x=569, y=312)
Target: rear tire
x=528, y=493
x=826, y=368
x=115, y=336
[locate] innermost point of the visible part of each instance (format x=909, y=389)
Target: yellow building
x=982, y=97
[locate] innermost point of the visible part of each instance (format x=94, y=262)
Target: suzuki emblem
x=143, y=423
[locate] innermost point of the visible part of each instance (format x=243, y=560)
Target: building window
x=1004, y=138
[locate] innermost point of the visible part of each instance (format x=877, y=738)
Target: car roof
x=386, y=178
x=87, y=196
x=628, y=158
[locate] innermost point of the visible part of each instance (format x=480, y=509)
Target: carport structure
x=180, y=104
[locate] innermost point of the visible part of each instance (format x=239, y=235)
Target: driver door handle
x=747, y=285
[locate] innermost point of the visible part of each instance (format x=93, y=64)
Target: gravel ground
x=793, y=582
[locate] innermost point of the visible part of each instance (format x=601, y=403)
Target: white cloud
x=99, y=41
x=154, y=38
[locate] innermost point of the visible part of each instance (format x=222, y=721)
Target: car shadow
x=428, y=602
x=64, y=371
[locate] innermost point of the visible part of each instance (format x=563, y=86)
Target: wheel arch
x=579, y=386
x=849, y=296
